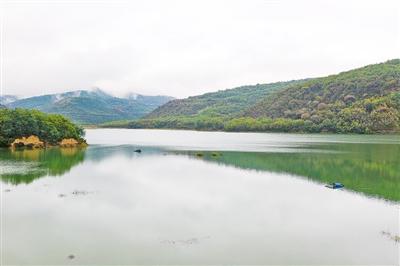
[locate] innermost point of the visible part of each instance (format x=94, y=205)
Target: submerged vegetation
x=364, y=100
x=49, y=128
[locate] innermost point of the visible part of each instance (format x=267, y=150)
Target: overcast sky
x=188, y=47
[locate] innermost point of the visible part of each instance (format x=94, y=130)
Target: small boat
x=335, y=185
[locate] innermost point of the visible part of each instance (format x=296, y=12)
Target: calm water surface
x=203, y=198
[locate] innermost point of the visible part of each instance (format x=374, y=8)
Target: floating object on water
x=395, y=238
x=335, y=185
x=80, y=192
x=199, y=154
x=71, y=257
x=190, y=241
x=385, y=233
x=138, y=150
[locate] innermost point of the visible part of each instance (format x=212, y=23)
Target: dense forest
x=364, y=100
x=50, y=128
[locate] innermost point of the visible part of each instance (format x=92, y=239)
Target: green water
x=372, y=169
x=203, y=198
x=24, y=166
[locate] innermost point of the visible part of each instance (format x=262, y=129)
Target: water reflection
x=101, y=152
x=373, y=169
x=189, y=212
x=24, y=166
x=120, y=207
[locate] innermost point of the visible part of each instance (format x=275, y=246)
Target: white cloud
x=183, y=48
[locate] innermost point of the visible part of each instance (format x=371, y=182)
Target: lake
x=203, y=198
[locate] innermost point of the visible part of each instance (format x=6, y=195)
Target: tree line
x=50, y=128
x=372, y=115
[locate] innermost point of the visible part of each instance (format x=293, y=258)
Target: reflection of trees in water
x=373, y=169
x=58, y=161
x=52, y=161
x=100, y=152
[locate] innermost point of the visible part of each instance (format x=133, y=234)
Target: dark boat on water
x=335, y=185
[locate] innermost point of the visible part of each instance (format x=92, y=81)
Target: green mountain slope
x=363, y=100
x=92, y=107
x=224, y=103
x=341, y=90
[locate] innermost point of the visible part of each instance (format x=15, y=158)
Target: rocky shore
x=33, y=142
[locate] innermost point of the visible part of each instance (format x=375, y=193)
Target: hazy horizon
x=127, y=93
x=181, y=48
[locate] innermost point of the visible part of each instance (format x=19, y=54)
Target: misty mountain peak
x=6, y=99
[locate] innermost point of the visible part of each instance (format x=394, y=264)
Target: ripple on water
x=10, y=167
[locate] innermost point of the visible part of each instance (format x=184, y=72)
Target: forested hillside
x=50, y=128
x=223, y=103
x=360, y=101
x=314, y=97
x=92, y=107
x=364, y=100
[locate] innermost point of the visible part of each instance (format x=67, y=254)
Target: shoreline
x=394, y=133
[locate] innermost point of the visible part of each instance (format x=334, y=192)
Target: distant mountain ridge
x=92, y=107
x=6, y=99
